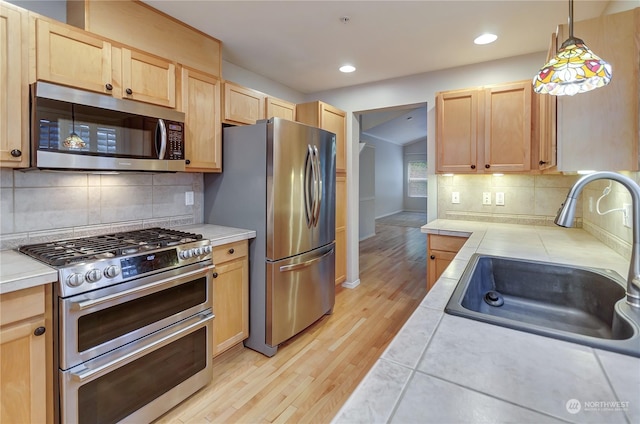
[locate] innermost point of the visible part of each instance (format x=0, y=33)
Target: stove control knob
x=198, y=251
x=208, y=249
x=112, y=271
x=93, y=275
x=75, y=279
x=186, y=254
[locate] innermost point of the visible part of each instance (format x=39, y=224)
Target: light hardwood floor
x=313, y=374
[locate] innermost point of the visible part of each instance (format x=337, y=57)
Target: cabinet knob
x=39, y=331
x=541, y=162
x=215, y=274
x=187, y=161
x=16, y=153
x=232, y=251
x=432, y=257
x=473, y=167
x=108, y=86
x=487, y=166
x=129, y=91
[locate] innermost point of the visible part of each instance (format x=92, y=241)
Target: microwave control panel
x=175, y=140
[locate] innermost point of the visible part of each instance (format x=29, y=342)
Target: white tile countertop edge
x=19, y=271
x=445, y=369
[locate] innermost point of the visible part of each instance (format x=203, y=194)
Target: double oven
x=132, y=323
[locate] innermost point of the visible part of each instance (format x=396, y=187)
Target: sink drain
x=494, y=298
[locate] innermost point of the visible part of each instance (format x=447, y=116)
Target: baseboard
x=389, y=214
x=351, y=285
x=367, y=237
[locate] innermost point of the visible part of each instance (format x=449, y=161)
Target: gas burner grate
x=64, y=252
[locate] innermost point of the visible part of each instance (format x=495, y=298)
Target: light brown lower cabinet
x=25, y=352
x=440, y=252
x=230, y=295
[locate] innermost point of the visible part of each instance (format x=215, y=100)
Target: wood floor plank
x=313, y=374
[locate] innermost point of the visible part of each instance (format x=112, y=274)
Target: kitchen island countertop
x=446, y=369
x=19, y=271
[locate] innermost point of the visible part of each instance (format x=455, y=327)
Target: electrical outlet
x=455, y=197
x=486, y=198
x=627, y=215
x=188, y=198
x=500, y=198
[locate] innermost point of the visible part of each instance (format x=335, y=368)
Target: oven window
x=121, y=392
x=116, y=321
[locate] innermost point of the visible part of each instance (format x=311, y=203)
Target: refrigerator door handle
x=318, y=186
x=305, y=264
x=309, y=177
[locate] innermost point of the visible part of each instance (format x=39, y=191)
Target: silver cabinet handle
x=162, y=128
x=293, y=267
x=173, y=334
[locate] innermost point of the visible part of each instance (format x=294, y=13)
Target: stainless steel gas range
x=132, y=323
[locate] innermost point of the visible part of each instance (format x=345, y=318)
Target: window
x=417, y=178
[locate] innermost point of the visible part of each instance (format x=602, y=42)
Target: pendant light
x=73, y=140
x=574, y=69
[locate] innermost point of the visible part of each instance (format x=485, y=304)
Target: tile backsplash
x=535, y=199
x=39, y=205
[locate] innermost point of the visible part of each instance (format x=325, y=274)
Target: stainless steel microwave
x=79, y=130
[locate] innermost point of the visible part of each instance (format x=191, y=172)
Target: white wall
x=367, y=188
x=388, y=176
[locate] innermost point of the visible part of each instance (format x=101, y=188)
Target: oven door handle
x=146, y=289
x=187, y=326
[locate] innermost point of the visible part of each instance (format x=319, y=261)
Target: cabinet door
x=14, y=92
x=230, y=304
x=599, y=129
x=277, y=108
x=201, y=105
x=507, y=137
x=242, y=105
x=148, y=79
x=457, y=131
x=341, y=228
x=334, y=120
x=545, y=122
x=72, y=57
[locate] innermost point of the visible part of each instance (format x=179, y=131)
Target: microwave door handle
x=161, y=129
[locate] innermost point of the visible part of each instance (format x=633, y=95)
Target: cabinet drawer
x=21, y=304
x=230, y=251
x=446, y=243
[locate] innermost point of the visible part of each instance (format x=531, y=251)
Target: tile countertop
x=445, y=369
x=18, y=271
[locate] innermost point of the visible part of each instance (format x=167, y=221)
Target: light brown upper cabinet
x=200, y=102
x=485, y=129
x=14, y=89
x=69, y=56
x=599, y=129
x=544, y=125
x=278, y=108
x=242, y=105
x=330, y=118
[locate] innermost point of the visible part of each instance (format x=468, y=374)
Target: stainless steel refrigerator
x=279, y=179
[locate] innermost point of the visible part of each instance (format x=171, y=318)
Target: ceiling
x=302, y=43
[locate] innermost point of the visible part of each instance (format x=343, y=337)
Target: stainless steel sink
x=577, y=304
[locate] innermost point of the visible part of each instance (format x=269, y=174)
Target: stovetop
x=66, y=252
x=90, y=263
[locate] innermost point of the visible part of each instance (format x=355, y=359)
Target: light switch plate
x=500, y=198
x=188, y=198
x=486, y=198
x=455, y=197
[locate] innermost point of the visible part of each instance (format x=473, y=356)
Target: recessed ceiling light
x=485, y=39
x=347, y=68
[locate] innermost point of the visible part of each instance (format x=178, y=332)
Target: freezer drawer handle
x=304, y=264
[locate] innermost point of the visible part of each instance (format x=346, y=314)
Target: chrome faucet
x=567, y=213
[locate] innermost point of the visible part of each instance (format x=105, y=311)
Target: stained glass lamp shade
x=574, y=69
